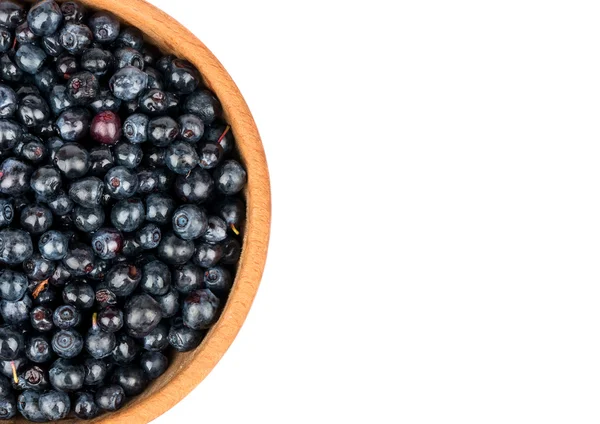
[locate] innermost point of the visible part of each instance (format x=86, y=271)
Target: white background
x=436, y=216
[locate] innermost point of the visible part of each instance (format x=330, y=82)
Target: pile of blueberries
x=120, y=210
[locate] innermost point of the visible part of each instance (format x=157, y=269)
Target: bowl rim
x=172, y=37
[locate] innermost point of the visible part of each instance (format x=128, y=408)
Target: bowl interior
x=187, y=370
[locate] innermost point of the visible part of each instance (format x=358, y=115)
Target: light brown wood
x=187, y=370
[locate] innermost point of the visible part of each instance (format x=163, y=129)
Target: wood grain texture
x=187, y=370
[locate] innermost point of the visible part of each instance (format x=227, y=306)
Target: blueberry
x=59, y=100
x=84, y=406
x=131, y=248
x=230, y=177
x=72, y=11
x=200, y=309
x=95, y=371
x=15, y=246
x=189, y=222
x=36, y=219
x=67, y=343
x=105, y=297
x=100, y=344
x=142, y=315
x=8, y=101
x=182, y=338
x=128, y=83
x=126, y=350
x=181, y=157
x=10, y=134
x=182, y=77
x=164, y=63
x=16, y=312
x=66, y=66
x=47, y=296
x=156, y=278
x=188, y=278
x=53, y=245
x=133, y=380
x=128, y=155
x=44, y=17
x=32, y=378
x=28, y=406
x=79, y=260
x=204, y=104
x=106, y=128
x=191, y=128
x=121, y=183
x=221, y=134
x=102, y=160
x=75, y=37
x=38, y=268
x=7, y=212
x=218, y=279
x=82, y=88
x=9, y=70
x=123, y=279
x=79, y=294
x=128, y=214
x=110, y=319
x=208, y=255
x=61, y=276
x=110, y=398
x=135, y=128
x=87, y=192
x=41, y=319
x=11, y=344
x=24, y=34
x=196, y=187
x=107, y=243
x=97, y=61
x=232, y=250
x=88, y=220
x=30, y=58
x=130, y=37
x=33, y=149
x=147, y=181
x=6, y=39
x=154, y=364
x=175, y=251
x=8, y=407
x=105, y=26
x=149, y=236
x=210, y=155
x=162, y=131
x=72, y=160
x=73, y=124
x=66, y=376
x=169, y=303
x=155, y=78
x=216, y=231
x=126, y=56
x=55, y=405
x=154, y=102
x=12, y=13
x=51, y=45
x=38, y=350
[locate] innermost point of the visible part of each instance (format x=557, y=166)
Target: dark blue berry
x=232, y=250
x=7, y=212
x=66, y=316
x=110, y=319
x=196, y=187
x=36, y=219
x=15, y=246
x=52, y=47
x=208, y=254
x=38, y=349
x=79, y=260
x=110, y=398
x=148, y=181
x=67, y=343
x=72, y=11
x=135, y=128
x=216, y=230
x=73, y=124
x=84, y=406
x=72, y=160
x=156, y=278
x=41, y=319
x=87, y=192
x=66, y=376
x=183, y=338
x=128, y=155
x=205, y=105
x=9, y=70
x=8, y=101
x=24, y=34
x=154, y=364
x=79, y=294
x=53, y=245
x=45, y=17
x=12, y=13
x=128, y=214
x=126, y=350
x=10, y=133
x=189, y=222
x=188, y=278
x=95, y=371
x=162, y=131
x=66, y=66
x=75, y=37
x=105, y=26
x=169, y=303
x=126, y=56
x=175, y=251
x=191, y=128
x=200, y=309
x=30, y=58
x=121, y=183
x=149, y=236
x=142, y=315
x=154, y=102
x=14, y=176
x=59, y=100
x=82, y=88
x=218, y=279
x=128, y=83
x=28, y=406
x=123, y=279
x=230, y=177
x=181, y=157
x=100, y=344
x=130, y=37
x=88, y=220
x=182, y=77
x=159, y=208
x=16, y=312
x=38, y=268
x=102, y=160
x=8, y=407
x=13, y=285
x=107, y=243
x=55, y=405
x=132, y=379
x=11, y=343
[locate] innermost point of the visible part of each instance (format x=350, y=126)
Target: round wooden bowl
x=187, y=370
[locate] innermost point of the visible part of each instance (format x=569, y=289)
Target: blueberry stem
x=14, y=372
x=235, y=230
x=40, y=288
x=224, y=134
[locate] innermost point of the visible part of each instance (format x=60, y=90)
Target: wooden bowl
x=187, y=370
